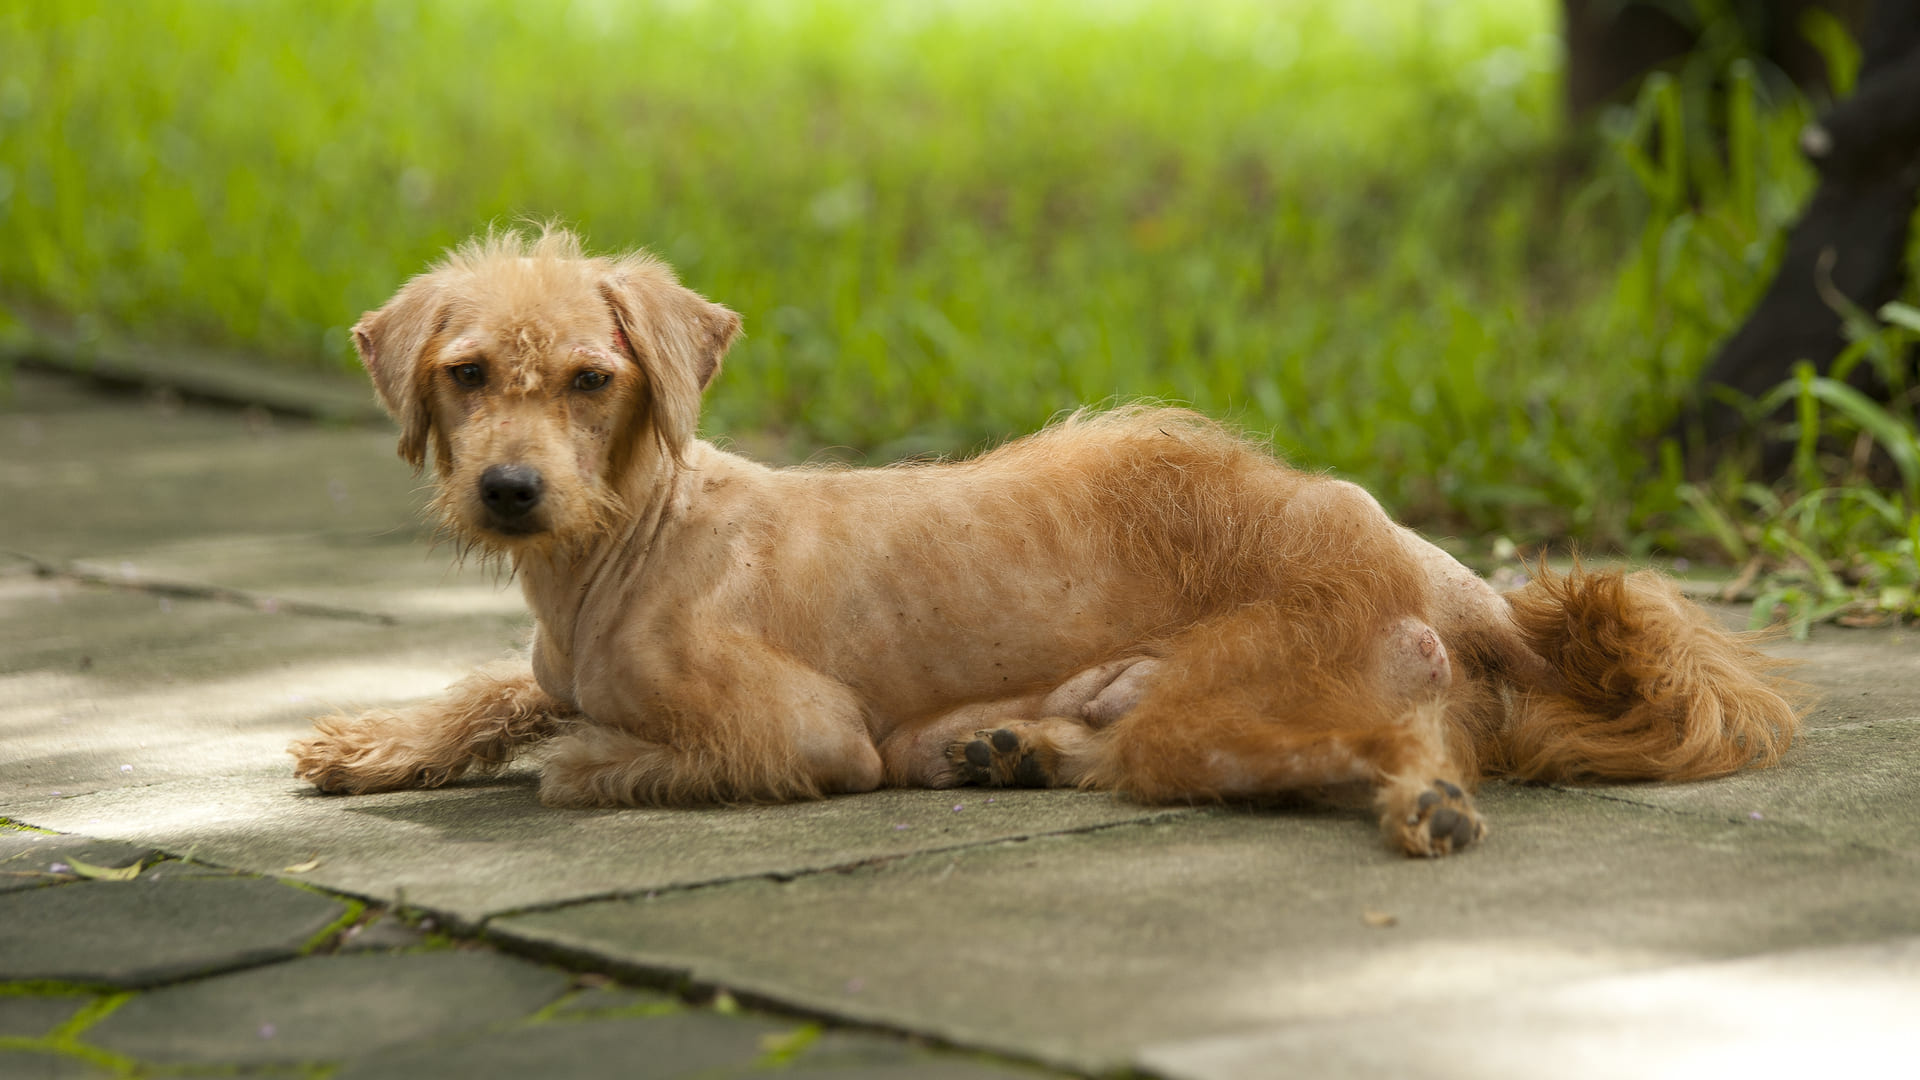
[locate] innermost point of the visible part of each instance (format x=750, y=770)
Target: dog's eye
x=590, y=380
x=469, y=374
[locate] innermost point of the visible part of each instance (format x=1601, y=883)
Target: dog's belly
x=917, y=657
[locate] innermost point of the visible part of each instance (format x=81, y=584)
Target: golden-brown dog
x=1134, y=600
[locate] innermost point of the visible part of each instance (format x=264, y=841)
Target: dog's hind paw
x=1002, y=757
x=1439, y=820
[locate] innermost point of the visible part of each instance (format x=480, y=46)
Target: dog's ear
x=390, y=342
x=676, y=336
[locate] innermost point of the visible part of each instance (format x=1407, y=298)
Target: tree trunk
x=1852, y=238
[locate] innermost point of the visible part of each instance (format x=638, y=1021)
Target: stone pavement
x=183, y=587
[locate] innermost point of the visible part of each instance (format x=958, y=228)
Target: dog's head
x=545, y=381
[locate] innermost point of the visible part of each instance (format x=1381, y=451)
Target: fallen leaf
x=1379, y=919
x=105, y=873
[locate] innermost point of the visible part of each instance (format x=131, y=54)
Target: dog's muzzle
x=511, y=493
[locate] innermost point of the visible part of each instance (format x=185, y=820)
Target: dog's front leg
x=478, y=724
x=713, y=718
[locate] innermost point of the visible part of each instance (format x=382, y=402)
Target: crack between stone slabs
x=681, y=980
x=186, y=590
x=479, y=926
x=1858, y=725
x=1610, y=797
x=785, y=876
x=137, y=785
x=1707, y=815
x=118, y=372
x=699, y=993
x=683, y=983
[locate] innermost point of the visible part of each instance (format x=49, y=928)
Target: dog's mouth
x=513, y=528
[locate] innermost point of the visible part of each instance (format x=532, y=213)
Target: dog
x=1137, y=600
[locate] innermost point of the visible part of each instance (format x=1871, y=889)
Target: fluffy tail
x=1650, y=687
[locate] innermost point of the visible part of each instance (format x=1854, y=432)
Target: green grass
x=1352, y=226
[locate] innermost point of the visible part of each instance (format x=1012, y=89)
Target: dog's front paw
x=1431, y=822
x=1002, y=757
x=359, y=755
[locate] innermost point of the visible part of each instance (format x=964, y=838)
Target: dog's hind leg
x=1420, y=783
x=1249, y=707
x=1407, y=664
x=478, y=724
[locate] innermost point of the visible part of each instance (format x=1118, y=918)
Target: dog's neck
x=559, y=579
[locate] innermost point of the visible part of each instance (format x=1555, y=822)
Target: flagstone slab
x=855, y=1056
x=396, y=573
x=1081, y=950
x=631, y=1048
x=1817, y=1012
x=116, y=671
x=916, y=1068
x=327, y=1008
x=481, y=848
x=112, y=690
x=31, y=860
x=32, y=1017
x=1856, y=674
x=610, y=1000
x=47, y=1065
x=155, y=929
x=1863, y=790
x=95, y=478
x=1850, y=774
x=388, y=934
x=232, y=378
x=295, y=513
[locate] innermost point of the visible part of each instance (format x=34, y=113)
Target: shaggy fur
x=1134, y=600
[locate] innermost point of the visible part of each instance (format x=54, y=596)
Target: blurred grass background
x=1361, y=228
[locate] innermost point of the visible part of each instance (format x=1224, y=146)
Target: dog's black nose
x=511, y=491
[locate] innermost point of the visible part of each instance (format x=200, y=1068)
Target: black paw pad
x=998, y=758
x=1463, y=832
x=1030, y=774
x=1441, y=821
